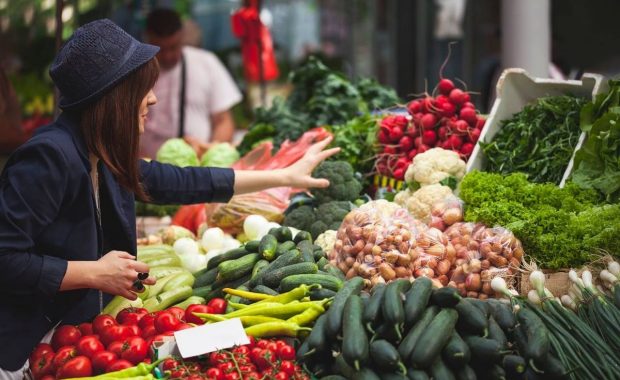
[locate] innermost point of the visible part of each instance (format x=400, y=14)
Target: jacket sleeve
x=32, y=187
x=169, y=184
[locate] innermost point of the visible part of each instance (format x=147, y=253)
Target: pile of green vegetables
x=538, y=141
x=559, y=228
x=597, y=162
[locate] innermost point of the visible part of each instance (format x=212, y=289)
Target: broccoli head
x=301, y=218
x=329, y=216
x=343, y=186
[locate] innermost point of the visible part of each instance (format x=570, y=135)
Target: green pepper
x=271, y=329
x=140, y=372
x=247, y=295
x=295, y=294
x=169, y=298
x=307, y=316
x=236, y=305
x=119, y=303
x=246, y=321
x=275, y=310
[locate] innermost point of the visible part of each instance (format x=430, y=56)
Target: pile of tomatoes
x=111, y=344
x=259, y=360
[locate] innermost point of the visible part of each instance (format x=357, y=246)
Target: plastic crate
x=515, y=89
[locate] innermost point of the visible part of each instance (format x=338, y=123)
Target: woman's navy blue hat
x=97, y=57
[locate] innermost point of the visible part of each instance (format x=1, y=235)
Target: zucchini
x=554, y=369
x=321, y=294
x=301, y=352
x=536, y=334
x=411, y=339
x=178, y=280
x=445, y=297
x=169, y=260
x=393, y=310
x=334, y=315
x=282, y=234
x=434, y=338
x=259, y=267
x=386, y=357
x=233, y=269
x=484, y=351
x=265, y=290
x=267, y=247
x=466, y=373
x=416, y=374
x=286, y=259
x=342, y=367
x=439, y=370
x=160, y=272
x=503, y=315
x=372, y=311
x=456, y=353
x=334, y=271
x=416, y=299
x=520, y=340
x=496, y=333
x=354, y=339
x=205, y=277
x=252, y=246
x=386, y=331
x=471, y=318
x=301, y=236
x=325, y=280
x=284, y=247
x=307, y=253
x=392, y=376
x=233, y=254
x=514, y=366
x=275, y=277
x=367, y=374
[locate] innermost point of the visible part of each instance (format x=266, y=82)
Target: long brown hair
x=111, y=130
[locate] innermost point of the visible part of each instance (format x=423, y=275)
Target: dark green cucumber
x=334, y=315
x=471, y=319
x=553, y=368
x=265, y=290
x=496, y=333
x=434, y=338
x=275, y=278
x=354, y=338
x=317, y=340
x=456, y=353
x=416, y=374
x=520, y=339
x=372, y=312
x=233, y=269
x=503, y=315
x=207, y=277
x=259, y=267
x=391, y=375
x=410, y=340
x=319, y=255
x=386, y=357
x=343, y=368
x=494, y=372
x=267, y=247
x=286, y=259
x=322, y=262
x=536, y=334
x=301, y=236
x=325, y=280
x=321, y=294
x=282, y=234
x=333, y=377
x=233, y=254
x=484, y=351
x=334, y=271
x=284, y=247
x=483, y=305
x=386, y=331
x=514, y=366
x=252, y=246
x=393, y=310
x=445, y=297
x=465, y=373
x=439, y=370
x=366, y=374
x=416, y=299
x=307, y=254
x=202, y=291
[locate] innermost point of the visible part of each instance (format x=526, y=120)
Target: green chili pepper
x=246, y=321
x=237, y=306
x=140, y=372
x=293, y=295
x=274, y=310
x=246, y=294
x=271, y=329
x=308, y=316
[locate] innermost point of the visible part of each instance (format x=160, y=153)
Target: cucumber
x=333, y=377
x=494, y=372
x=482, y=305
x=386, y=357
x=496, y=333
x=343, y=368
x=301, y=352
x=536, y=334
x=334, y=271
x=445, y=297
x=325, y=280
x=284, y=247
x=202, y=291
x=305, y=247
x=233, y=254
x=411, y=339
x=466, y=373
x=233, y=269
x=275, y=277
x=354, y=339
x=514, y=366
x=252, y=246
x=321, y=294
x=391, y=376
x=503, y=315
x=416, y=374
x=372, y=311
x=317, y=340
x=554, y=369
x=205, y=277
x=319, y=255
x=471, y=318
x=178, y=280
x=519, y=338
x=456, y=353
x=286, y=259
x=367, y=374
x=386, y=331
x=321, y=262
x=267, y=247
x=393, y=310
x=416, y=299
x=282, y=234
x=259, y=267
x=265, y=290
x=334, y=315
x=434, y=338
x=301, y=236
x=439, y=370
x=483, y=351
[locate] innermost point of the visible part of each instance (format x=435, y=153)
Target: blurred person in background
x=194, y=89
x=11, y=132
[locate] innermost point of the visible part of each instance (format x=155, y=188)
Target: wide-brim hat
x=96, y=58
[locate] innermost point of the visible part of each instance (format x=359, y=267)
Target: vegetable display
x=177, y=152
x=221, y=155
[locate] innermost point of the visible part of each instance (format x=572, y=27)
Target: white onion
x=186, y=246
x=213, y=238
x=253, y=225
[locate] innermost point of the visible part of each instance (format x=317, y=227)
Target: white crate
x=516, y=89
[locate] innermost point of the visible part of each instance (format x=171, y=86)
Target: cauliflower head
x=326, y=240
x=420, y=202
x=434, y=166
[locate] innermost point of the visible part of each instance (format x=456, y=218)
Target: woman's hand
x=299, y=175
x=116, y=273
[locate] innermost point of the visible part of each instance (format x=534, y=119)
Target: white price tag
x=212, y=337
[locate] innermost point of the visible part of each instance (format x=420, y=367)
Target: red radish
x=416, y=118
x=443, y=132
x=468, y=105
x=423, y=148
x=466, y=97
x=412, y=153
x=469, y=115
x=445, y=86
x=384, y=137
x=401, y=121
x=447, y=109
x=457, y=96
x=461, y=127
x=429, y=138
x=454, y=142
x=428, y=104
x=480, y=123
x=412, y=131
x=382, y=168
x=389, y=150
x=402, y=162
x=417, y=141
x=446, y=145
x=406, y=143
x=467, y=148
x=439, y=100
x=396, y=134
x=428, y=121
x=414, y=107
x=474, y=135
x=399, y=174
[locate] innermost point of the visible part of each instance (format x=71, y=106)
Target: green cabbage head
x=177, y=152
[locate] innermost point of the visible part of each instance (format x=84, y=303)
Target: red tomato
x=40, y=350
x=247, y=368
x=265, y=359
x=63, y=355
x=281, y=376
x=79, y=366
x=147, y=320
x=166, y=321
x=226, y=367
x=65, y=336
x=134, y=350
x=216, y=358
x=177, y=312
x=169, y=364
x=286, y=353
x=288, y=367
x=43, y=365
x=102, y=321
x=272, y=346
x=149, y=331
x=255, y=353
x=194, y=367
x=89, y=345
x=116, y=347
x=241, y=350
x=102, y=360
x=252, y=376
x=178, y=373
x=218, y=305
x=280, y=343
x=215, y=374
x=116, y=332
x=131, y=315
x=118, y=365
x=134, y=330
x=196, y=308
x=252, y=342
x=86, y=329
x=195, y=377
x=232, y=376
x=262, y=343
x=183, y=326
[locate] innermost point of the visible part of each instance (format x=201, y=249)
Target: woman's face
x=148, y=100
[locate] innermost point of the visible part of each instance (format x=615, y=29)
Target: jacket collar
x=70, y=123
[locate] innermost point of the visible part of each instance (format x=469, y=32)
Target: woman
x=67, y=222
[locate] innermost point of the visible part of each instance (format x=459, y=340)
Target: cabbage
x=221, y=155
x=177, y=152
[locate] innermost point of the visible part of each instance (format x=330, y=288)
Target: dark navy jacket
x=48, y=216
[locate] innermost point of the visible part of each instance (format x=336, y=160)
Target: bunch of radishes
x=448, y=120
